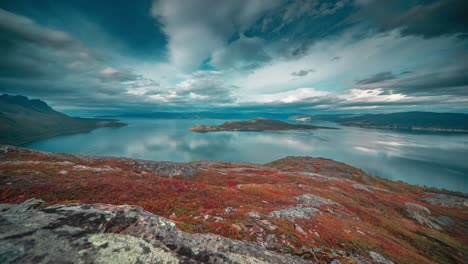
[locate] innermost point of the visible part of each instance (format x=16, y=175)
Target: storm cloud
x=442, y=82
x=237, y=55
x=378, y=77
x=427, y=19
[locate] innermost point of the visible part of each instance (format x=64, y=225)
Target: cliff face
x=292, y=210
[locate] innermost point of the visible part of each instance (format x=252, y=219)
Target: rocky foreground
x=100, y=233
x=293, y=210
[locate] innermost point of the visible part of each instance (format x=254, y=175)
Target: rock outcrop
x=424, y=217
x=446, y=200
x=297, y=212
x=315, y=201
x=100, y=233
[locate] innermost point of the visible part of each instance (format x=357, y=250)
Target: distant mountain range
x=416, y=121
x=24, y=120
x=203, y=115
x=427, y=121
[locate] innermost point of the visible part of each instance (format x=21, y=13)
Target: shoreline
x=30, y=140
x=428, y=129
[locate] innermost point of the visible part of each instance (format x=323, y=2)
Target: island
x=256, y=124
x=23, y=120
x=415, y=121
x=91, y=209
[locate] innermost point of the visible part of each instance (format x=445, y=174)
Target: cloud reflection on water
x=430, y=159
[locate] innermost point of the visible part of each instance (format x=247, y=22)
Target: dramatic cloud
x=53, y=65
x=278, y=55
x=299, y=14
x=428, y=18
x=196, y=90
x=359, y=58
x=297, y=9
x=244, y=53
x=196, y=28
x=29, y=50
x=211, y=89
x=15, y=27
x=442, y=82
x=356, y=100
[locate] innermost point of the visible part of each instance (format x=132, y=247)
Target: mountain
x=292, y=210
x=429, y=121
x=256, y=124
x=204, y=115
x=23, y=120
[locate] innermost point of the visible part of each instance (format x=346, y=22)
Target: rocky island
x=67, y=208
x=23, y=120
x=256, y=124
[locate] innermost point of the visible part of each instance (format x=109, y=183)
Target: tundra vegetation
x=313, y=208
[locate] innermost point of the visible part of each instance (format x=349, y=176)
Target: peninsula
x=23, y=120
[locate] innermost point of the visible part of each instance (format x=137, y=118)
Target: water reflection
x=428, y=159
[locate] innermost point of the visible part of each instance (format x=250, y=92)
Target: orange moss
x=220, y=197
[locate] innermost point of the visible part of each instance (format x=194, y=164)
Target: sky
x=345, y=56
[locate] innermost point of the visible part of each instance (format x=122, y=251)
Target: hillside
x=256, y=124
x=23, y=120
x=428, y=121
x=292, y=210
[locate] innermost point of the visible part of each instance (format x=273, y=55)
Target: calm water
x=439, y=160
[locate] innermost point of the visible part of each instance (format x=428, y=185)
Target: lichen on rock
x=101, y=233
x=295, y=212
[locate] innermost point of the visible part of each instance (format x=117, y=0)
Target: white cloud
x=372, y=95
x=196, y=28
x=248, y=70
x=196, y=90
x=293, y=96
x=109, y=71
x=353, y=99
x=359, y=58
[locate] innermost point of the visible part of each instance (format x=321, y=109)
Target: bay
x=432, y=159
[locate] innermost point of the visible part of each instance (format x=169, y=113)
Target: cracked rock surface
x=100, y=233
